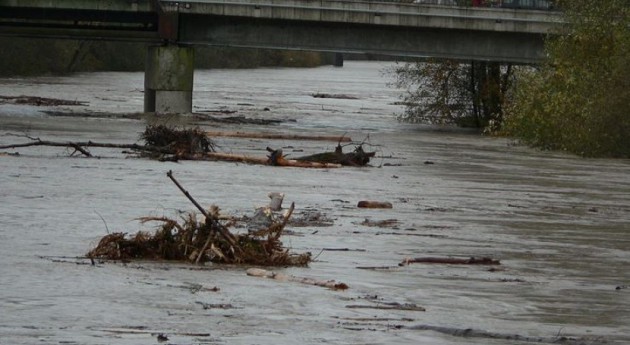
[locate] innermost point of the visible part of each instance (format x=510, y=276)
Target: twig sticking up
x=209, y=218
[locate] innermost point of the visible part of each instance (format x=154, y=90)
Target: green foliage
x=579, y=100
x=451, y=92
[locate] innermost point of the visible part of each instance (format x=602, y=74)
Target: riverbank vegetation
x=579, y=100
x=453, y=92
x=28, y=57
x=576, y=101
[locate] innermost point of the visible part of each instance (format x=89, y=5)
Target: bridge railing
x=515, y=4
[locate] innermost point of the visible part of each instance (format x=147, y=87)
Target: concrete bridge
x=175, y=27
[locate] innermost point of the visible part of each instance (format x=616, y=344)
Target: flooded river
x=560, y=225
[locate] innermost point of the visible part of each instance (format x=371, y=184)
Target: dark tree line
x=577, y=100
x=27, y=57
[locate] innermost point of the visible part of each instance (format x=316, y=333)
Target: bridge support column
x=168, y=79
x=338, y=60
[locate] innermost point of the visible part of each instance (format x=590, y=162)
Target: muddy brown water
x=559, y=224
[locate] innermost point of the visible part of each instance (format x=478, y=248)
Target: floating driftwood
x=333, y=95
x=331, y=284
x=511, y=337
x=278, y=136
x=276, y=158
x=172, y=144
x=385, y=223
x=200, y=241
x=161, y=142
x=358, y=157
x=374, y=204
x=451, y=261
x=389, y=306
x=38, y=101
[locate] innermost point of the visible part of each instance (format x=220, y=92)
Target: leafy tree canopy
x=579, y=100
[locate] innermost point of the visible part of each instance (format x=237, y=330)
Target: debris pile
x=182, y=143
x=199, y=240
x=166, y=143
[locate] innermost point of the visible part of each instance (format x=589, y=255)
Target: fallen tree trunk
x=451, y=261
x=278, y=136
x=331, y=284
x=276, y=161
x=356, y=158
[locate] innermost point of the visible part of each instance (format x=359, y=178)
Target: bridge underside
x=353, y=38
x=70, y=23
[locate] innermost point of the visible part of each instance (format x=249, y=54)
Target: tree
x=579, y=99
x=452, y=92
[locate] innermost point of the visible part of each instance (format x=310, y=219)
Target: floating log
x=39, y=101
x=331, y=284
x=278, y=136
x=389, y=306
x=72, y=144
x=509, y=337
x=277, y=160
x=451, y=261
x=374, y=204
x=356, y=158
x=333, y=95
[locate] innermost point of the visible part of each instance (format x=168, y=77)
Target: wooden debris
x=374, y=204
x=377, y=268
x=356, y=158
x=451, y=261
x=278, y=136
x=276, y=158
x=71, y=144
x=333, y=95
x=343, y=250
x=510, y=338
x=178, y=142
x=331, y=284
x=38, y=101
x=389, y=306
x=385, y=223
x=172, y=144
x=311, y=218
x=200, y=241
x=160, y=142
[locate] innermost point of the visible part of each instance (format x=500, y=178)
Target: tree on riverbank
x=27, y=57
x=579, y=100
x=451, y=92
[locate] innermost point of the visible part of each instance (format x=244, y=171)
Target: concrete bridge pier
x=338, y=60
x=168, y=79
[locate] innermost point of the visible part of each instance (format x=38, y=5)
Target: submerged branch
x=279, y=136
x=451, y=261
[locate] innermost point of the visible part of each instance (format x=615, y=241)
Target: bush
x=579, y=100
